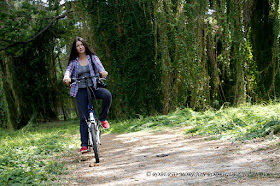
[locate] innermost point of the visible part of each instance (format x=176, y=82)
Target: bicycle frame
x=92, y=122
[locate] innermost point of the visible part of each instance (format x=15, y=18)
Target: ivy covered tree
x=122, y=34
x=30, y=33
x=265, y=42
x=204, y=53
x=160, y=54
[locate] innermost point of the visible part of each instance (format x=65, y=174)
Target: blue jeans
x=82, y=104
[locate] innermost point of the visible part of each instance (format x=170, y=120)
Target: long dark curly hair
x=74, y=53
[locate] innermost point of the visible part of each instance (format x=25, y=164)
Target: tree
x=265, y=29
x=28, y=55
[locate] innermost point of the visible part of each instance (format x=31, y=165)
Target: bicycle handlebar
x=77, y=80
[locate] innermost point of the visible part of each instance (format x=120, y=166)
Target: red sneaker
x=105, y=124
x=84, y=149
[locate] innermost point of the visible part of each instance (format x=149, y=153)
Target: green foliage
x=174, y=119
x=235, y=123
x=198, y=57
x=242, y=123
x=265, y=24
x=160, y=55
x=30, y=59
x=27, y=156
x=122, y=33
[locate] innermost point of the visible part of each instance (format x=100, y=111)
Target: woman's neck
x=82, y=56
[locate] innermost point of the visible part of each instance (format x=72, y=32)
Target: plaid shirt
x=72, y=72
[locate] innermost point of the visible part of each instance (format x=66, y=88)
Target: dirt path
x=171, y=158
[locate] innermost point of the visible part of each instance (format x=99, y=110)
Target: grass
x=241, y=123
x=29, y=156
x=236, y=123
x=152, y=123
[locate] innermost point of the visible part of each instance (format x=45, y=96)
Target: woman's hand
x=67, y=81
x=104, y=74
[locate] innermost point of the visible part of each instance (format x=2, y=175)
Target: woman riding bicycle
x=83, y=62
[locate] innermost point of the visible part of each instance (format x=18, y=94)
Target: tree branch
x=37, y=35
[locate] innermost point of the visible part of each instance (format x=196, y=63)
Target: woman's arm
x=68, y=72
x=99, y=66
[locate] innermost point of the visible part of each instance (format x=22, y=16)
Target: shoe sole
x=84, y=151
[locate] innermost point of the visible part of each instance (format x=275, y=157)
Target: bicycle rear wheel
x=95, y=144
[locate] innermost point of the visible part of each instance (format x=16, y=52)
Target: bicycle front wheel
x=95, y=144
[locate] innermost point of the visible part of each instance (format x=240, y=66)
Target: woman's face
x=80, y=47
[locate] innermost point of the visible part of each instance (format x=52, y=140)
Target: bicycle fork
x=95, y=128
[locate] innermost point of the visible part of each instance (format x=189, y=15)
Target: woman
x=83, y=62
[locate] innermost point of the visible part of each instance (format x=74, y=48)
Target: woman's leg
x=82, y=104
x=106, y=96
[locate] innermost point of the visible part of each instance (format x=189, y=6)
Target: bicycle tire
x=95, y=145
x=99, y=130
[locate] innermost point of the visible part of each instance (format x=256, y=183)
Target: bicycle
x=94, y=126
